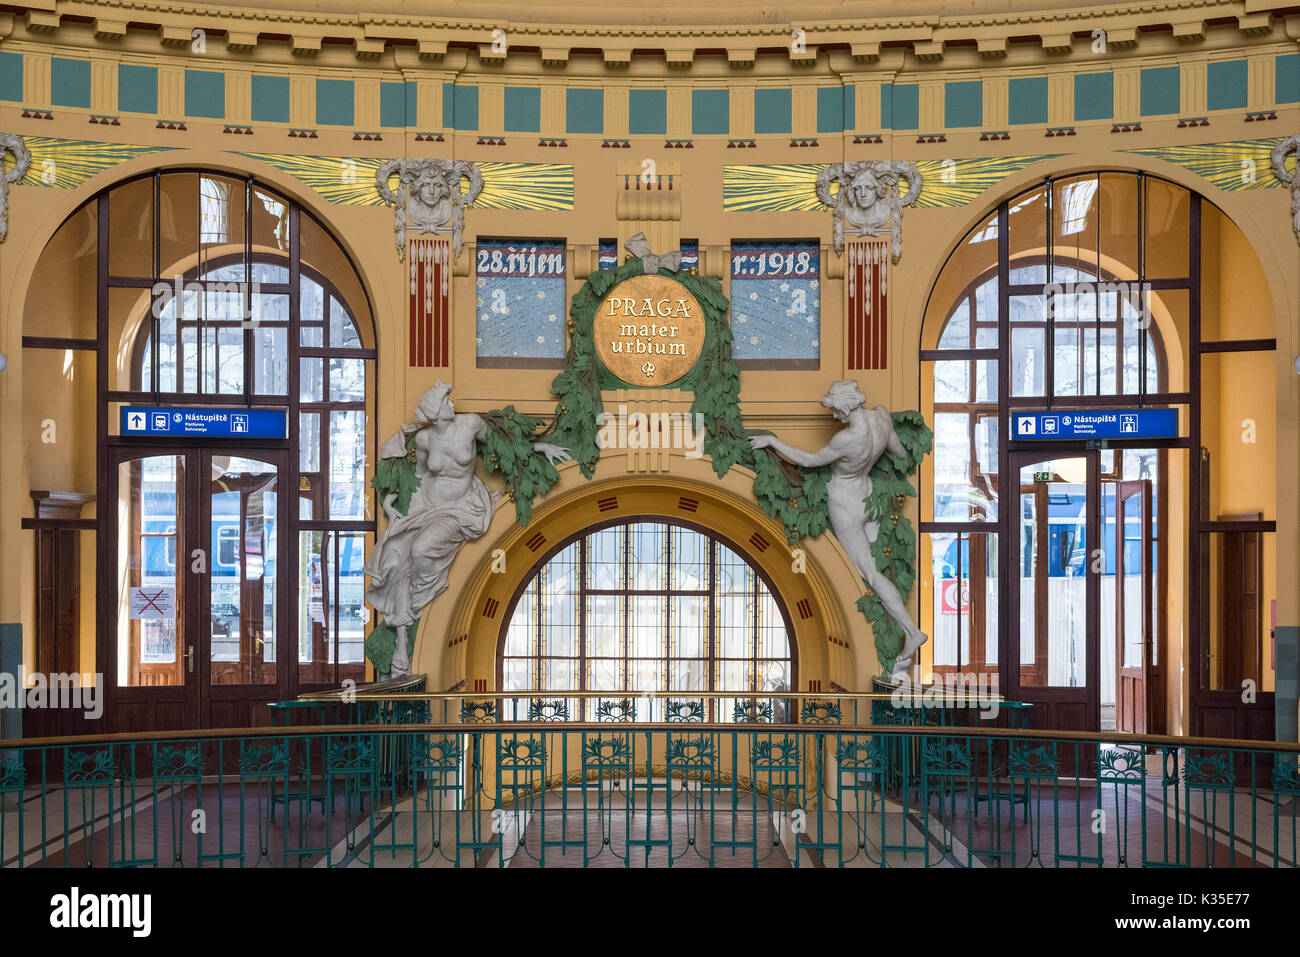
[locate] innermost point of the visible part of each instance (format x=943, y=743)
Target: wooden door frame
x=280, y=688
x=1009, y=659
x=196, y=456
x=109, y=539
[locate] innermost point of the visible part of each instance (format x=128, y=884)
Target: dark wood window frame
x=760, y=582
x=1199, y=524
x=107, y=443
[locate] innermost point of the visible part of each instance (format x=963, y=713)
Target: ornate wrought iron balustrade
x=678, y=791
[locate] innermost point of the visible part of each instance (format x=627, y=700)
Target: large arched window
x=647, y=606
x=1046, y=557
x=204, y=292
x=253, y=301
x=1101, y=346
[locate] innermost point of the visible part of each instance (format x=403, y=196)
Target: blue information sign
x=157, y=422
x=1096, y=424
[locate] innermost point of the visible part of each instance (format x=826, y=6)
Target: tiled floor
x=146, y=828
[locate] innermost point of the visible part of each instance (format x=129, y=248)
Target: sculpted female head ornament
x=431, y=403
x=868, y=202
x=428, y=197
x=10, y=143
x=1277, y=160
x=843, y=397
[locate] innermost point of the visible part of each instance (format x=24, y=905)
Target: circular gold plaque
x=649, y=331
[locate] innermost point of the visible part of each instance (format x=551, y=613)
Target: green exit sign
x=1042, y=476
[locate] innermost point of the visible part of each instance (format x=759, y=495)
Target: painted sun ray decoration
x=1234, y=165
x=350, y=181
x=791, y=187
x=66, y=164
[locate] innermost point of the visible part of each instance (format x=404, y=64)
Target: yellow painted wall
x=1259, y=253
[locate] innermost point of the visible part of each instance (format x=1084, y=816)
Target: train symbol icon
x=160, y=423
x=1050, y=425
x=238, y=423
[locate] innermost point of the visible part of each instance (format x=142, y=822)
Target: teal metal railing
x=462, y=787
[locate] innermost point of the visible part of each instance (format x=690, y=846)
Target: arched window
x=1095, y=301
x=647, y=606
x=205, y=292
x=253, y=301
x=1102, y=347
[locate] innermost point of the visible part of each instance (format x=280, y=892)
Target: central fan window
x=647, y=607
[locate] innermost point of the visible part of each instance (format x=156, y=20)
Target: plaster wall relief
x=429, y=198
x=678, y=328
x=1289, y=177
x=869, y=200
x=648, y=203
x=851, y=455
x=439, y=504
x=867, y=212
x=22, y=161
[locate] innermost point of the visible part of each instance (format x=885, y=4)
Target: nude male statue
x=851, y=454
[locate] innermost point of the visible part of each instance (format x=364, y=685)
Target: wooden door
x=145, y=612
x=241, y=627
x=1241, y=604
x=1052, y=655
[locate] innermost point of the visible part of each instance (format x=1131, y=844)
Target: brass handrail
x=912, y=692
x=607, y=727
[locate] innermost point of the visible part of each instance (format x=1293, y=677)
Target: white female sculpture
x=851, y=454
x=409, y=566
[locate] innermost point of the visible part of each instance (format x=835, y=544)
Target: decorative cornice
x=681, y=39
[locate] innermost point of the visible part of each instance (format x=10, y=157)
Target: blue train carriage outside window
x=352, y=612
x=776, y=300
x=521, y=302
x=1067, y=537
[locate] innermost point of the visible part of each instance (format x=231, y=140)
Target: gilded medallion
x=649, y=331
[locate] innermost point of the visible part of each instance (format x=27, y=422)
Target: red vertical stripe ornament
x=429, y=272
x=867, y=269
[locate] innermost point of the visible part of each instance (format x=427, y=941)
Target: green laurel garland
x=794, y=496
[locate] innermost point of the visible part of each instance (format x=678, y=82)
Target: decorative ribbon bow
x=640, y=248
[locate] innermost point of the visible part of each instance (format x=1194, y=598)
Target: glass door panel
x=1135, y=638
x=150, y=548
x=241, y=511
x=331, y=613
x=1053, y=573
x=1054, y=614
